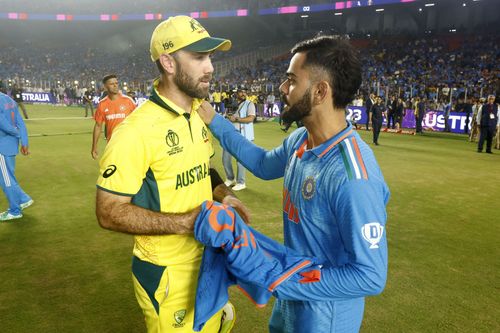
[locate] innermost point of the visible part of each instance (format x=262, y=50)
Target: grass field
x=60, y=272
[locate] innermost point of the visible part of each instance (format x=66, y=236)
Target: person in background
x=378, y=113
x=88, y=102
x=111, y=111
x=487, y=118
x=17, y=96
x=12, y=132
x=243, y=122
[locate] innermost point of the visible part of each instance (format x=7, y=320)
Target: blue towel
x=237, y=254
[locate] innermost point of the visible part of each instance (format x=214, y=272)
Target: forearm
x=337, y=283
x=131, y=219
x=95, y=135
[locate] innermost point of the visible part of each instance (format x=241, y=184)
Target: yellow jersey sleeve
x=124, y=163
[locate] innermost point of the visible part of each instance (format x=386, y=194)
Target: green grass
x=60, y=272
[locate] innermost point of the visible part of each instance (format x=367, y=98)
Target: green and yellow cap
x=184, y=32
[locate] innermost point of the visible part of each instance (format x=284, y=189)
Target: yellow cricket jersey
x=160, y=157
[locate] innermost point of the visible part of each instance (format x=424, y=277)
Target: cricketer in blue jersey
x=334, y=194
x=12, y=130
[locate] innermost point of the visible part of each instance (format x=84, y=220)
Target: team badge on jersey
x=179, y=317
x=372, y=233
x=172, y=140
x=308, y=188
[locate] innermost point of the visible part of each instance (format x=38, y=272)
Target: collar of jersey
x=326, y=146
x=168, y=104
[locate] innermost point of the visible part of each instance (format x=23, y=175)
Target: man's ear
x=167, y=61
x=321, y=92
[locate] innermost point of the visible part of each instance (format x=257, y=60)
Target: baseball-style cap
x=184, y=32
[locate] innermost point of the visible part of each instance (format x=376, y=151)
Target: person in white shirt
x=243, y=122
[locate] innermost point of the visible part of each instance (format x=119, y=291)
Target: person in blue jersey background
x=12, y=130
x=334, y=195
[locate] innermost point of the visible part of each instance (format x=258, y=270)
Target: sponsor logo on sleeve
x=372, y=233
x=110, y=170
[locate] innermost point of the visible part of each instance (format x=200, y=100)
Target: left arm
x=23, y=132
x=360, y=211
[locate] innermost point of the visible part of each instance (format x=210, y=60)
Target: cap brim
x=209, y=44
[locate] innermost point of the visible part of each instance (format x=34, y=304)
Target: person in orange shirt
x=111, y=111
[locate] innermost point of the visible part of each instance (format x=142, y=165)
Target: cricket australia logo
x=179, y=318
x=372, y=233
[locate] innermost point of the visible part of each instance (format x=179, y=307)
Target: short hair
x=108, y=77
x=339, y=59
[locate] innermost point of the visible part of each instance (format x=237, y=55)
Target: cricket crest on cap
x=196, y=26
x=184, y=32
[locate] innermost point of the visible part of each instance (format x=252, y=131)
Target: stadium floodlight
x=429, y=5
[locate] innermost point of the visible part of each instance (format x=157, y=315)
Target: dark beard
x=187, y=85
x=299, y=110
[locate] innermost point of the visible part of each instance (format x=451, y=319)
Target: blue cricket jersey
x=12, y=128
x=334, y=199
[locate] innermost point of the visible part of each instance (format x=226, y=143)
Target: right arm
x=95, y=139
x=117, y=213
x=263, y=164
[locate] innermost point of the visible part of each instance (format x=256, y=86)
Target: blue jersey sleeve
x=263, y=164
x=22, y=127
x=359, y=206
x=6, y=106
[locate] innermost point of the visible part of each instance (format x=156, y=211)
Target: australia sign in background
x=433, y=120
x=38, y=97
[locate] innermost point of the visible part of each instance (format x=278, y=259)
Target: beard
x=189, y=86
x=299, y=110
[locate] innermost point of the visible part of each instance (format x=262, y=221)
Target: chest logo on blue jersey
x=372, y=233
x=308, y=188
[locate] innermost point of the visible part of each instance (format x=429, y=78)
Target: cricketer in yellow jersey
x=155, y=173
